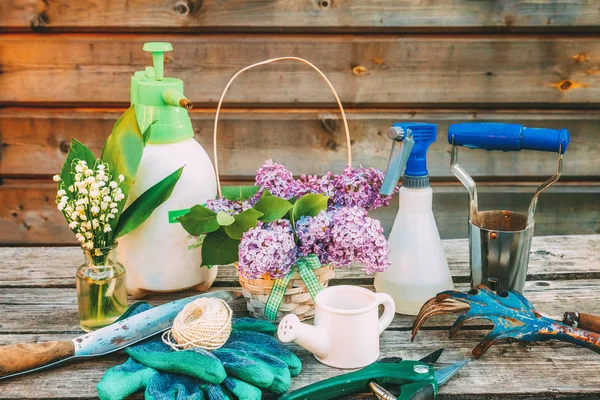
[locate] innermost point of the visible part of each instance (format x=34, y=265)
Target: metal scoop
x=499, y=240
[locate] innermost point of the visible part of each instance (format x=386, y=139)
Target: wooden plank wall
x=65, y=68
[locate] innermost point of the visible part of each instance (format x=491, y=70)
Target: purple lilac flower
x=327, y=184
x=358, y=238
x=314, y=235
x=280, y=182
x=267, y=251
x=360, y=187
x=313, y=184
x=305, y=184
x=276, y=178
x=231, y=207
x=222, y=204
x=343, y=236
x=356, y=187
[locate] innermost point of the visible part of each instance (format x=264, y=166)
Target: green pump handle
x=416, y=380
x=158, y=50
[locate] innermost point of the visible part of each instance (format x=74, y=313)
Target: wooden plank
x=281, y=15
x=552, y=258
x=35, y=141
x=28, y=212
x=508, y=370
x=25, y=310
x=539, y=371
x=366, y=70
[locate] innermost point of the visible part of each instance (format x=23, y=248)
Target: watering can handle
x=507, y=137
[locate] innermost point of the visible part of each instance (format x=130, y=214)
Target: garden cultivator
x=514, y=317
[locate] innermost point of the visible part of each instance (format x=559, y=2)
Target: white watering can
x=346, y=327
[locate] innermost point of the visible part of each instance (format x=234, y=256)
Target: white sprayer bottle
x=160, y=256
x=418, y=269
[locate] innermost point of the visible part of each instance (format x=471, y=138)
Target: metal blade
x=443, y=375
x=433, y=357
x=138, y=327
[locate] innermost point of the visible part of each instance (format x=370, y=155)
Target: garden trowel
x=17, y=359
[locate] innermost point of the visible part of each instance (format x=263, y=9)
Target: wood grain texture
x=508, y=370
x=531, y=371
x=36, y=141
x=552, y=258
x=29, y=216
x=25, y=310
x=287, y=15
x=366, y=70
x=15, y=358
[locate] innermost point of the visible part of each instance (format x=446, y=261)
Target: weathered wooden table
x=38, y=303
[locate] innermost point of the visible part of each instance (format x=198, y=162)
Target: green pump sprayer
x=160, y=255
x=161, y=99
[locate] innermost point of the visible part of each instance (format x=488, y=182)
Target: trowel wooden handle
x=584, y=321
x=16, y=358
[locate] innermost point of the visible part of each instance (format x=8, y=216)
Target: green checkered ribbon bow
x=305, y=267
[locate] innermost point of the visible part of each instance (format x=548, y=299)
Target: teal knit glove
x=251, y=360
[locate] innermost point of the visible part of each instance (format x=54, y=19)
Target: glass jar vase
x=101, y=288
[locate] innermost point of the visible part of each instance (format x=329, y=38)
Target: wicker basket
x=296, y=300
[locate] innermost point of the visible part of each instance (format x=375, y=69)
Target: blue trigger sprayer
x=418, y=269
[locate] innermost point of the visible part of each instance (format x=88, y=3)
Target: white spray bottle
x=160, y=256
x=418, y=269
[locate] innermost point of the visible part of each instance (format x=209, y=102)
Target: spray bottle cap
x=411, y=142
x=160, y=100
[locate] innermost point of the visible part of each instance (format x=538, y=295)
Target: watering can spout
x=310, y=337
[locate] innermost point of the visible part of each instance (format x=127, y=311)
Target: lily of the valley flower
x=91, y=203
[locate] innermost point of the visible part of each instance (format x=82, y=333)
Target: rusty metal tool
x=514, y=317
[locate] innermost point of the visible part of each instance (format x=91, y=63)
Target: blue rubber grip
x=507, y=137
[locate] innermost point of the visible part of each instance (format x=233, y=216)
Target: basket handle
x=272, y=60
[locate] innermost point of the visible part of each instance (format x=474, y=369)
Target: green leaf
x=147, y=131
x=290, y=214
x=273, y=208
x=309, y=205
x=77, y=151
x=143, y=206
x=243, y=222
x=219, y=249
x=224, y=219
x=123, y=151
x=199, y=221
x=233, y=193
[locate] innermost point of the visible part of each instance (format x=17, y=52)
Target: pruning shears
x=417, y=380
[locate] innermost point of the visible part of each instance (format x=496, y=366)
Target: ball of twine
x=203, y=323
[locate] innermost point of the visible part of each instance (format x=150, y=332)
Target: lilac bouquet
x=355, y=187
x=343, y=236
x=265, y=228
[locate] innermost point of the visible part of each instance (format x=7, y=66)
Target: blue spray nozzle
x=411, y=142
x=507, y=137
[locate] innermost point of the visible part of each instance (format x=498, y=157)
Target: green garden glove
x=251, y=360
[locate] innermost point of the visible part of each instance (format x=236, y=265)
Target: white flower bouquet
x=92, y=194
